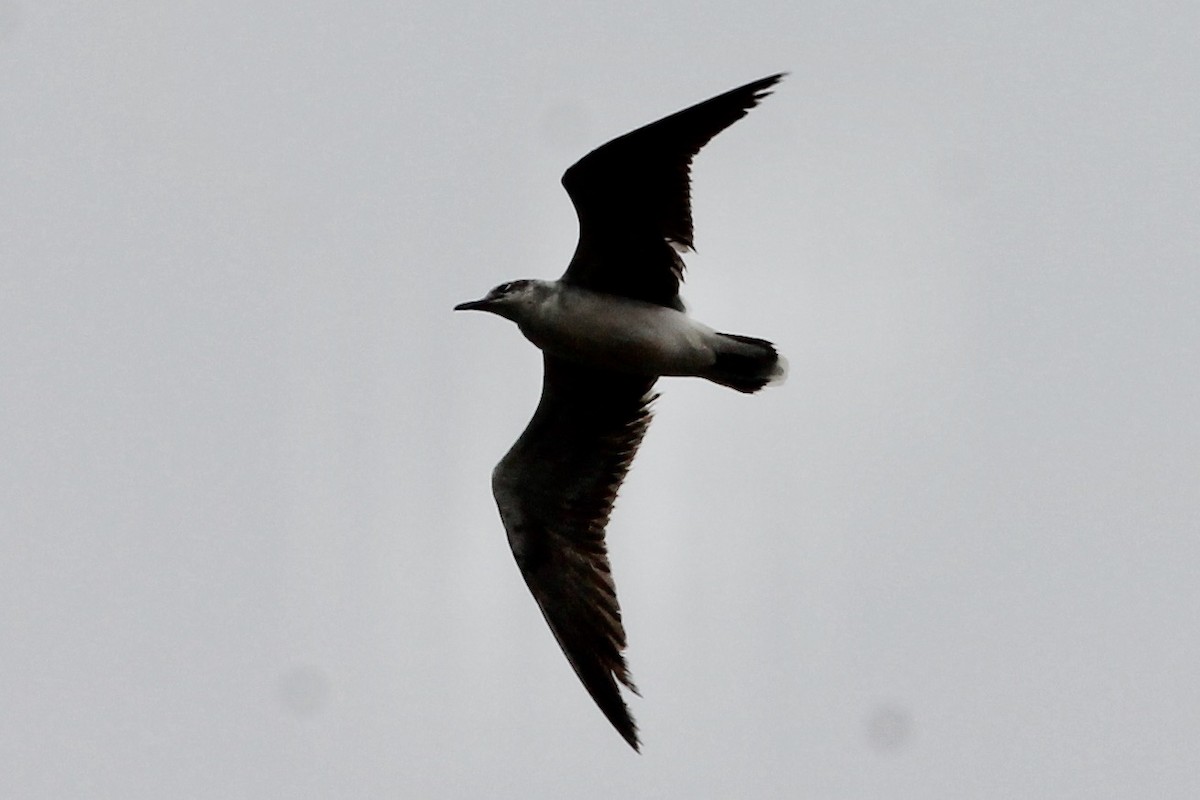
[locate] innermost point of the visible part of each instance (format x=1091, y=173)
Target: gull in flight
x=607, y=329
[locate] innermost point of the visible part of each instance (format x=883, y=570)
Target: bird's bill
x=473, y=305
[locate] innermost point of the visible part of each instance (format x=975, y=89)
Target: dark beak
x=473, y=305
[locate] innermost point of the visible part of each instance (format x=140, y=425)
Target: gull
x=608, y=329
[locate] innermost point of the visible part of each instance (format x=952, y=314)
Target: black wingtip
x=632, y=738
x=764, y=86
x=624, y=725
x=606, y=694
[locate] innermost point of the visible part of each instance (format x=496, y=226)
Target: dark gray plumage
x=608, y=329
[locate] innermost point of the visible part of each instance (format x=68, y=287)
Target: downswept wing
x=633, y=199
x=555, y=490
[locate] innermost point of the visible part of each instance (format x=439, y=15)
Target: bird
x=608, y=329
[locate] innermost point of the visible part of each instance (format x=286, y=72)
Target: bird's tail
x=746, y=364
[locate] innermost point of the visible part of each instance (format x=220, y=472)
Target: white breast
x=619, y=333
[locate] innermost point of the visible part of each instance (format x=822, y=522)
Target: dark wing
x=555, y=489
x=633, y=199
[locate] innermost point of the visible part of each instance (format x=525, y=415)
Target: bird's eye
x=510, y=287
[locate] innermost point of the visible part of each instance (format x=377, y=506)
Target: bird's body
x=608, y=329
x=614, y=332
x=618, y=333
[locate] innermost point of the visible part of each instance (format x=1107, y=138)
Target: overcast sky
x=249, y=548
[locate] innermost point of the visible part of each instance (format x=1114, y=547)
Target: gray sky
x=250, y=549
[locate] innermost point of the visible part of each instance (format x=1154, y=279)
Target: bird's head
x=511, y=300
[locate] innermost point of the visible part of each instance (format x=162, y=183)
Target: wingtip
x=629, y=732
x=764, y=86
x=617, y=712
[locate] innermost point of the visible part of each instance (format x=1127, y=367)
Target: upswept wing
x=555, y=490
x=633, y=199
